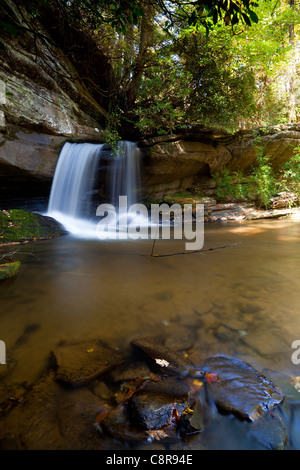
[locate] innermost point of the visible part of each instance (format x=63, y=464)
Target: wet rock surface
x=238, y=387
x=178, y=397
x=80, y=363
x=161, y=356
x=157, y=403
x=95, y=396
x=270, y=432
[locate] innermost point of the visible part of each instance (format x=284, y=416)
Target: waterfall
x=75, y=182
x=125, y=173
x=72, y=183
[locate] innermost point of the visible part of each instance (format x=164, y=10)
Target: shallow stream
x=242, y=300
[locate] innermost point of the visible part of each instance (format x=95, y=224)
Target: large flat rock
x=81, y=363
x=237, y=387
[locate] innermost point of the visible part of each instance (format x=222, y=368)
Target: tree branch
x=191, y=252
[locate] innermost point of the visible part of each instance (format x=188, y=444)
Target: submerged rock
x=192, y=421
x=51, y=417
x=131, y=371
x=117, y=425
x=151, y=411
x=80, y=363
x=237, y=387
x=155, y=405
x=9, y=270
x=270, y=432
x=162, y=357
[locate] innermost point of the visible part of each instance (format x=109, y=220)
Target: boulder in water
x=9, y=270
x=81, y=363
x=237, y=387
x=17, y=226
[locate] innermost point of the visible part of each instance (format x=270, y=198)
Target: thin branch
x=10, y=255
x=192, y=252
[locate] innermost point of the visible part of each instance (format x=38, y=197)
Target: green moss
x=20, y=226
x=9, y=270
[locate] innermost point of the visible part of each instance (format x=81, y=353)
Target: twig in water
x=154, y=240
x=192, y=252
x=10, y=254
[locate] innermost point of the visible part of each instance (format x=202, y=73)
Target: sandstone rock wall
x=43, y=102
x=180, y=162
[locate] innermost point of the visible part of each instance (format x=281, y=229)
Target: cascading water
x=125, y=173
x=73, y=177
x=73, y=185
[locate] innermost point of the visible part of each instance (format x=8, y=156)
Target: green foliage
x=9, y=270
x=207, y=13
x=111, y=134
x=221, y=88
x=290, y=173
x=18, y=226
x=170, y=63
x=260, y=185
x=231, y=184
x=94, y=13
x=262, y=182
x=195, y=81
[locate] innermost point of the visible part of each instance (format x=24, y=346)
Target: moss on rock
x=19, y=226
x=8, y=270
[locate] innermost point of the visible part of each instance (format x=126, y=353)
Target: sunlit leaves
x=209, y=12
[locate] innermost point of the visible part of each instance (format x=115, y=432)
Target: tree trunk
x=292, y=72
x=138, y=67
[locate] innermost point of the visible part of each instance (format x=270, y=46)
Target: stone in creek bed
x=164, y=358
x=270, y=432
x=130, y=371
x=9, y=270
x=152, y=407
x=79, y=364
x=240, y=388
x=192, y=421
x=117, y=425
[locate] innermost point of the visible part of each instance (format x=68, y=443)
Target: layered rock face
x=180, y=162
x=43, y=102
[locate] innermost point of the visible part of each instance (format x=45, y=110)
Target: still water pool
x=242, y=300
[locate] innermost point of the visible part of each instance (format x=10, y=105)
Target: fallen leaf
x=210, y=378
x=129, y=388
x=103, y=413
x=162, y=362
x=156, y=434
x=295, y=380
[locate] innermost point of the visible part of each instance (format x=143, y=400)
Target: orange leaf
x=104, y=412
x=210, y=378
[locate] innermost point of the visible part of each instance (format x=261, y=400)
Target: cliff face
x=180, y=162
x=43, y=102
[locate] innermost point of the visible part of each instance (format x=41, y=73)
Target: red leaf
x=210, y=378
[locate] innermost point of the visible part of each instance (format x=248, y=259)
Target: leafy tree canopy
x=157, y=65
